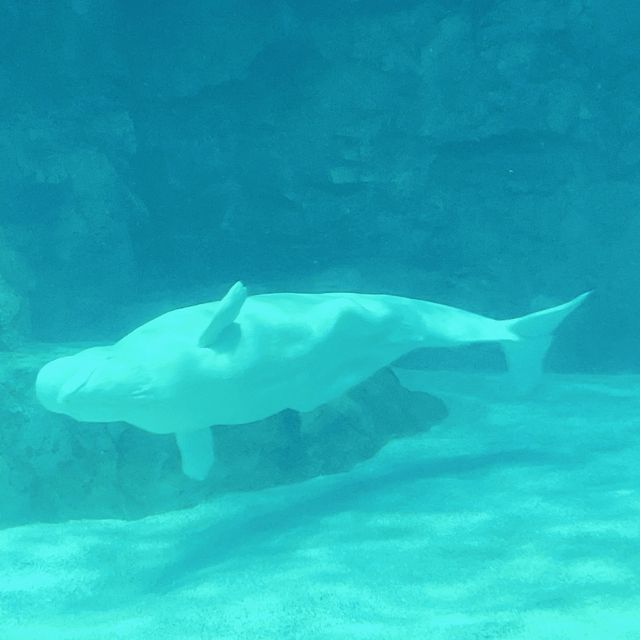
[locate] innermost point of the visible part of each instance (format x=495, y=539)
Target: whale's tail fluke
x=534, y=333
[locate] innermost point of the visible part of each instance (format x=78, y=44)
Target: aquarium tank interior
x=319, y=319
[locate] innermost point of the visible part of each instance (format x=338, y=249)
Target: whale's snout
x=91, y=386
x=61, y=384
x=50, y=383
x=47, y=387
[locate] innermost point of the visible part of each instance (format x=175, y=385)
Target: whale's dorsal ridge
x=226, y=312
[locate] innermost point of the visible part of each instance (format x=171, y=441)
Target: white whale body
x=243, y=359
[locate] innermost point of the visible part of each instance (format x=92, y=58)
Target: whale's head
x=92, y=386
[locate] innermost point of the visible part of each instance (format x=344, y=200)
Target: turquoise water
x=481, y=154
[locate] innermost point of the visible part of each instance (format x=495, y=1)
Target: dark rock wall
x=480, y=153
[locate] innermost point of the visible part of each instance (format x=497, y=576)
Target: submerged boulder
x=53, y=468
x=292, y=446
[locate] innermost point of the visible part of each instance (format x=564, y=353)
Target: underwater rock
x=15, y=284
x=10, y=308
x=67, y=215
x=209, y=44
x=90, y=211
x=291, y=446
x=53, y=468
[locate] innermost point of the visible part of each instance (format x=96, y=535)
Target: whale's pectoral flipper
x=226, y=312
x=196, y=452
x=533, y=334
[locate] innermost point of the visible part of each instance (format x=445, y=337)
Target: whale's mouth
x=68, y=391
x=57, y=383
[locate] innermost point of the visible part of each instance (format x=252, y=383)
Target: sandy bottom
x=513, y=519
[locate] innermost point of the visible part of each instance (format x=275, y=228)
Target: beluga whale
x=245, y=358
